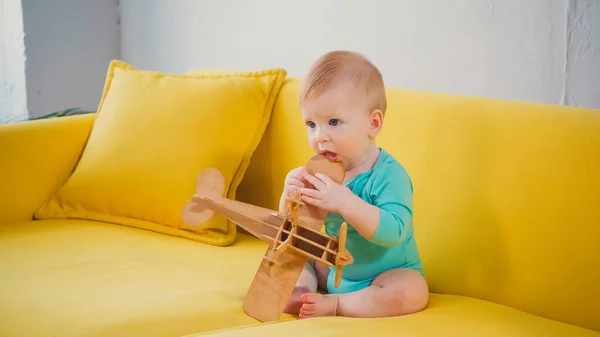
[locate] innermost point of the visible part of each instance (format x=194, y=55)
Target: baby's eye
x=334, y=122
x=310, y=124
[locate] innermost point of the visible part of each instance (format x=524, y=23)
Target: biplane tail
x=210, y=183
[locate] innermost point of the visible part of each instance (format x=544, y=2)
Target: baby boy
x=343, y=105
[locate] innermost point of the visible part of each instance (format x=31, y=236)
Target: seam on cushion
x=110, y=74
x=259, y=73
x=274, y=90
x=239, y=74
x=161, y=228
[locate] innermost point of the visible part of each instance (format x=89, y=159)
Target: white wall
x=69, y=44
x=583, y=54
x=536, y=50
x=13, y=97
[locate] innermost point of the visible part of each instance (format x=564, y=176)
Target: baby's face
x=340, y=125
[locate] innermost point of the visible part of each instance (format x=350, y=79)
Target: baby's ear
x=376, y=122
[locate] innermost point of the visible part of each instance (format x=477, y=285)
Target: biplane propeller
x=293, y=237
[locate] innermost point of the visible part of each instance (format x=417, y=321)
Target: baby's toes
x=308, y=307
x=307, y=310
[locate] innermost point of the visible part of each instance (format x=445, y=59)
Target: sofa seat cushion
x=446, y=315
x=86, y=278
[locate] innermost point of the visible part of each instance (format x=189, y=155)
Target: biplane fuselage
x=264, y=224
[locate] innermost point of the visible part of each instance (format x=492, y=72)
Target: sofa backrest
x=507, y=194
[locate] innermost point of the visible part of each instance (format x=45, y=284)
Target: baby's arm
x=363, y=216
x=386, y=220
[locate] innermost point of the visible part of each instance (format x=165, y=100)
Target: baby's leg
x=322, y=272
x=393, y=293
x=307, y=283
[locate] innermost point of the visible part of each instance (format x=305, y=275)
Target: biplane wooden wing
x=293, y=238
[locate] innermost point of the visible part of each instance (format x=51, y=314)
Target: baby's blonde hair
x=342, y=65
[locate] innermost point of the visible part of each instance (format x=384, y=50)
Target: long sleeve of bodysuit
x=392, y=192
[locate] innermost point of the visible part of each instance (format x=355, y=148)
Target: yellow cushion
x=153, y=134
x=79, y=277
x=87, y=278
x=506, y=194
x=446, y=315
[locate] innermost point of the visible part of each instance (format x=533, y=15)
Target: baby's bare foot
x=316, y=305
x=294, y=303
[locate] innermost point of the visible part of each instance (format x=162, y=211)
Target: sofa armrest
x=36, y=158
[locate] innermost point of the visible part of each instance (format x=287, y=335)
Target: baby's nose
x=322, y=135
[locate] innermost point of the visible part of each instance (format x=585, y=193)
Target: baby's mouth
x=331, y=155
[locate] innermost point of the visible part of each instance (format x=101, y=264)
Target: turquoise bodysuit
x=388, y=186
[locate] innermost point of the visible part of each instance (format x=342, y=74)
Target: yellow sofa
x=507, y=214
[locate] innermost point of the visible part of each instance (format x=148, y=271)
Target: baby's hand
x=295, y=180
x=328, y=195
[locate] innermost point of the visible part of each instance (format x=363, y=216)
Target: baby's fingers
x=312, y=201
x=314, y=181
x=310, y=192
x=295, y=182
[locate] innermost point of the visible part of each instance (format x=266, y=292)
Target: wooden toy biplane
x=293, y=237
